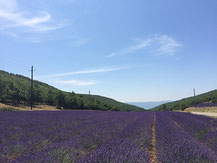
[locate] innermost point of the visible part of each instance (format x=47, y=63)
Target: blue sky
x=128, y=50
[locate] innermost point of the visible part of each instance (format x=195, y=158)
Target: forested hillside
x=15, y=90
x=187, y=102
x=113, y=102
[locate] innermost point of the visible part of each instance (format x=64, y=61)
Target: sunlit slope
x=15, y=89
x=126, y=107
x=187, y=102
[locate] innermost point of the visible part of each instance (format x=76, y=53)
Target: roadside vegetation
x=8, y=109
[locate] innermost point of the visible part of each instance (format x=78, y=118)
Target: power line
x=194, y=98
x=31, y=91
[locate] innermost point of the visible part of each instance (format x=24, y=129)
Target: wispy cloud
x=77, y=82
x=142, y=44
x=79, y=42
x=55, y=78
x=167, y=45
x=87, y=71
x=11, y=16
x=159, y=45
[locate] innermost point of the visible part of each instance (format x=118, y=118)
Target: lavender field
x=97, y=136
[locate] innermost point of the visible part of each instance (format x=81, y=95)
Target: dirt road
x=206, y=113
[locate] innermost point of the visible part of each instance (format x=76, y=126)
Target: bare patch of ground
x=207, y=111
x=153, y=157
x=206, y=114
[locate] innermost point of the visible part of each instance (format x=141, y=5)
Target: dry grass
x=202, y=109
x=27, y=108
x=207, y=111
x=213, y=115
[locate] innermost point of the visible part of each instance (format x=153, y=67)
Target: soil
x=153, y=157
x=206, y=114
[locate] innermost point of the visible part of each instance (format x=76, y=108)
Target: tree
x=60, y=100
x=1, y=89
x=183, y=106
x=164, y=107
x=6, y=94
x=49, y=98
x=37, y=97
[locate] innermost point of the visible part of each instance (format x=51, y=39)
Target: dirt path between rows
x=153, y=157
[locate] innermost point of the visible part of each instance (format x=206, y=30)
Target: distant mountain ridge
x=148, y=105
x=15, y=90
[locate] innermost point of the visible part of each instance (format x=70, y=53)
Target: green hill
x=187, y=102
x=127, y=107
x=15, y=90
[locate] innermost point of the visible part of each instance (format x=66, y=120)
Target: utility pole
x=31, y=93
x=194, y=98
x=89, y=94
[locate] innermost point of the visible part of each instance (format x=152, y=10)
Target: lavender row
x=92, y=136
x=204, y=129
x=63, y=136
x=176, y=145
x=209, y=104
x=133, y=144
